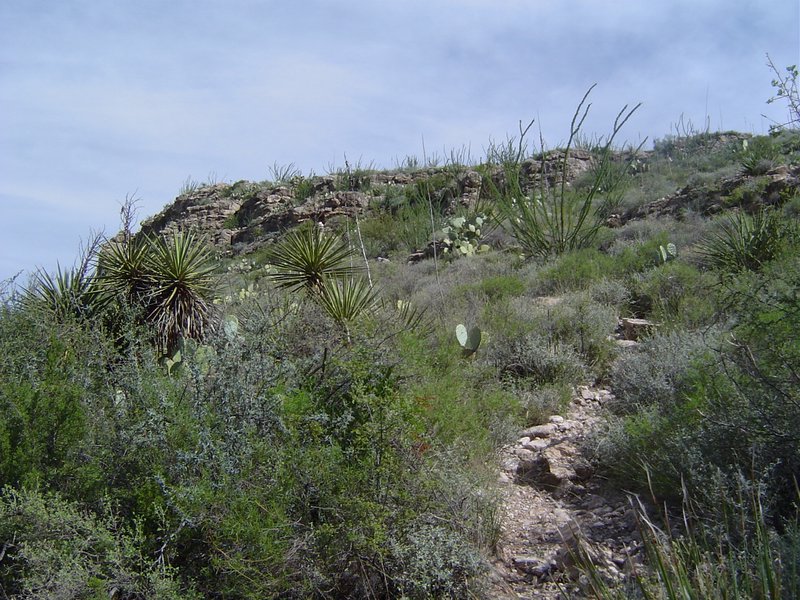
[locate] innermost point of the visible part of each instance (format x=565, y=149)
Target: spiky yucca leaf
x=306, y=257
x=69, y=294
x=346, y=299
x=179, y=284
x=122, y=272
x=744, y=242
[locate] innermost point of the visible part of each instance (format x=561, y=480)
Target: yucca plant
x=169, y=279
x=178, y=275
x=306, y=257
x=122, y=270
x=347, y=299
x=69, y=294
x=744, y=242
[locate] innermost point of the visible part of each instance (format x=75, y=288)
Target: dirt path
x=549, y=494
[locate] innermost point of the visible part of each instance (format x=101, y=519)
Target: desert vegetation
x=300, y=420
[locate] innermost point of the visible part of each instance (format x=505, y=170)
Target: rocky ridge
x=240, y=217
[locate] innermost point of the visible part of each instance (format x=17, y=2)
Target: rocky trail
x=551, y=502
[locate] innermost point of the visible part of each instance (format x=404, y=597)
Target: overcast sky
x=100, y=99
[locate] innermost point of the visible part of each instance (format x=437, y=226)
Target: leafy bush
x=655, y=372
x=675, y=295
x=534, y=357
x=575, y=270
x=55, y=549
x=433, y=562
x=730, y=409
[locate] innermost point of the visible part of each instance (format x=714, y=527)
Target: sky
x=106, y=99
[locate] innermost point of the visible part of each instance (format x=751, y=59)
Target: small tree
x=785, y=87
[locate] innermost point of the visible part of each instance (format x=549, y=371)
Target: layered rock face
x=241, y=216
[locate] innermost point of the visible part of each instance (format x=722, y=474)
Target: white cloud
x=103, y=99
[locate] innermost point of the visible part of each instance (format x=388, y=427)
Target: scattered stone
x=625, y=344
x=635, y=329
x=537, y=444
x=540, y=431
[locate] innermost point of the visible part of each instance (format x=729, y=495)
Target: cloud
x=105, y=99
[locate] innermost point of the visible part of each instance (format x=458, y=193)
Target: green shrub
x=42, y=421
x=540, y=401
x=655, y=373
x=729, y=409
x=55, y=548
x=406, y=230
x=575, y=270
x=675, y=295
x=433, y=562
x=612, y=293
x=586, y=326
x=539, y=360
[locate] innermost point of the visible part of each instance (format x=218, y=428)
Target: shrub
x=55, y=549
x=656, y=371
x=575, y=270
x=541, y=401
x=534, y=357
x=675, y=294
x=431, y=561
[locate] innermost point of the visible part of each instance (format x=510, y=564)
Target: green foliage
x=539, y=360
x=704, y=562
x=432, y=561
x=759, y=156
x=303, y=188
x=69, y=295
x=55, y=548
x=170, y=280
x=745, y=242
x=655, y=372
x=41, y=421
x=575, y=270
x=347, y=299
x=727, y=402
x=500, y=287
x=179, y=286
x=675, y=294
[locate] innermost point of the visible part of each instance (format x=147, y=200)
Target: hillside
x=507, y=378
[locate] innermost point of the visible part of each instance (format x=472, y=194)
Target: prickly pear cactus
x=469, y=340
x=668, y=252
x=462, y=236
